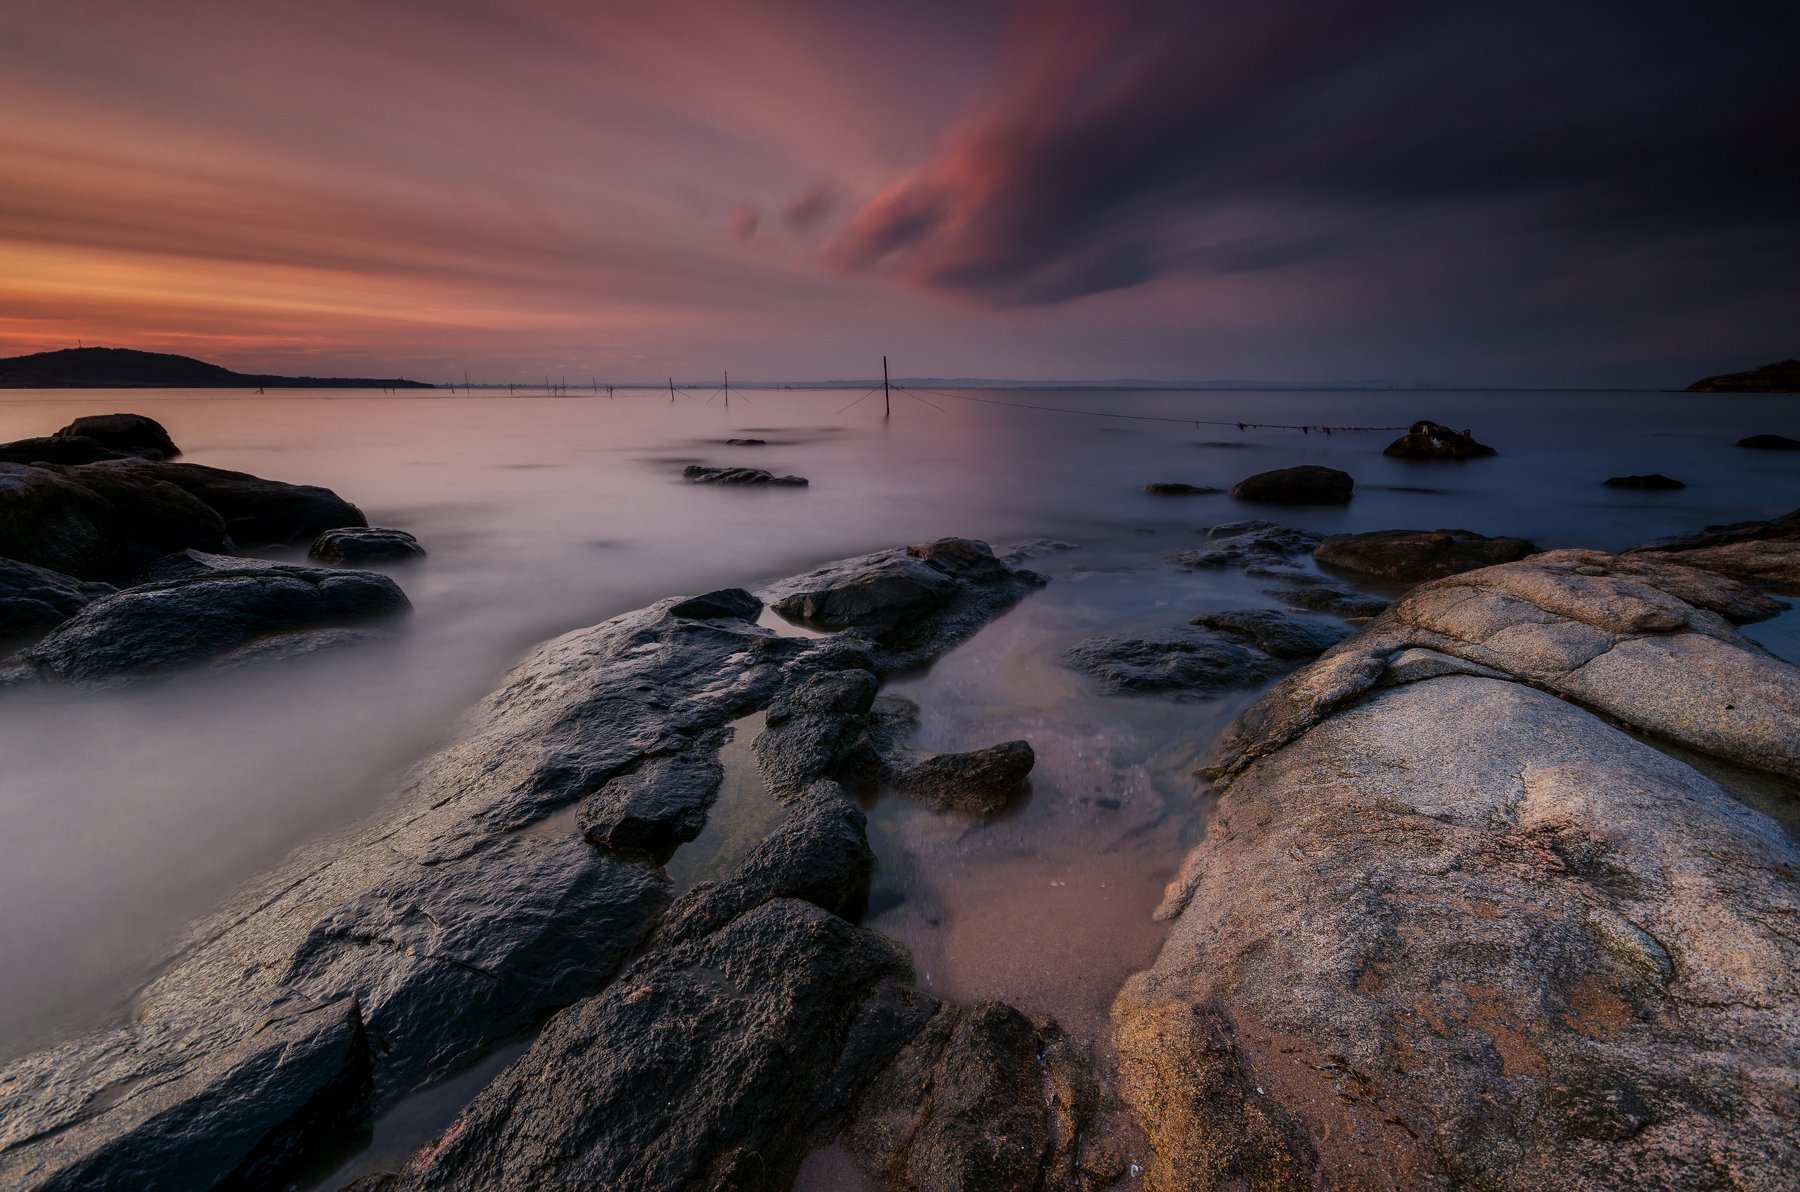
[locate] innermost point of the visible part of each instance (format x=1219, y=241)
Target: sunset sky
x=1523, y=193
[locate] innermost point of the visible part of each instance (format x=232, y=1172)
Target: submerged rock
x=1448, y=930
x=1426, y=439
x=35, y=600
x=1770, y=443
x=1655, y=482
x=1412, y=556
x=1307, y=484
x=740, y=477
x=1170, y=489
x=1221, y=652
x=1246, y=543
x=364, y=544
x=1317, y=594
x=208, y=618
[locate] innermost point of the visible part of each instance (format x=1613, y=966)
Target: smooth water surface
x=125, y=813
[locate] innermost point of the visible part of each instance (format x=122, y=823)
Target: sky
x=1529, y=193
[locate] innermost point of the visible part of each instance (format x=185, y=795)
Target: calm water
x=124, y=814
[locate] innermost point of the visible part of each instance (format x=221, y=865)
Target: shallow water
x=124, y=814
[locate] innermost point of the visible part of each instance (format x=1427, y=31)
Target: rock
x=1655, y=482
x=658, y=806
x=911, y=603
x=1307, y=484
x=1320, y=595
x=51, y=449
x=1412, y=556
x=1770, y=443
x=984, y=1097
x=1430, y=440
x=97, y=524
x=207, y=618
x=740, y=477
x=1227, y=651
x=257, y=512
x=1780, y=377
x=35, y=600
x=1166, y=489
x=127, y=434
x=1460, y=933
x=746, y=442
x=1246, y=543
x=1765, y=553
x=731, y=603
x=814, y=731
x=977, y=783
x=354, y=545
x=470, y=909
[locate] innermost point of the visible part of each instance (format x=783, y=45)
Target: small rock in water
x=1307, y=484
x=746, y=442
x=1655, y=481
x=740, y=477
x=1172, y=489
x=1426, y=439
x=365, y=544
x=1413, y=556
x=1770, y=443
x=1246, y=544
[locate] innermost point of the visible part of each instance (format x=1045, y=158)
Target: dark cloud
x=1237, y=136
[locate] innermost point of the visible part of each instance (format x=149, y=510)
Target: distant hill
x=127, y=368
x=1782, y=377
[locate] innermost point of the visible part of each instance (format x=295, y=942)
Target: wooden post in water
x=671, y=390
x=727, y=389
x=887, y=398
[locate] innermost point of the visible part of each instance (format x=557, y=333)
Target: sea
x=126, y=813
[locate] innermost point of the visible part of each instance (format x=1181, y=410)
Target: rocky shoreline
x=1477, y=906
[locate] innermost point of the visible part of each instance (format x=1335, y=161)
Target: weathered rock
x=740, y=477
x=35, y=600
x=979, y=782
x=814, y=731
x=1654, y=482
x=655, y=808
x=160, y=627
x=1460, y=933
x=54, y=449
x=1430, y=440
x=471, y=910
x=732, y=603
x=1770, y=443
x=1765, y=553
x=355, y=545
x=913, y=603
x=95, y=523
x=1317, y=594
x=257, y=512
x=1225, y=651
x=1169, y=489
x=127, y=434
x=1247, y=543
x=1785, y=528
x=1413, y=556
x=1307, y=484
x=984, y=1097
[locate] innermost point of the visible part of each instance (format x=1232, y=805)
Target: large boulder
x=1426, y=439
x=1412, y=556
x=35, y=600
x=127, y=434
x=1447, y=930
x=257, y=512
x=1307, y=484
x=354, y=545
x=99, y=521
x=208, y=618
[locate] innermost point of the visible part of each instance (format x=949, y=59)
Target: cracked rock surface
x=1449, y=930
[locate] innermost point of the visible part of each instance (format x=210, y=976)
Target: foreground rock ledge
x=366, y=966
x=1448, y=930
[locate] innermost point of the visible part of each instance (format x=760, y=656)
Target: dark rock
x=35, y=600
x=1277, y=634
x=1412, y=556
x=257, y=512
x=1232, y=650
x=1430, y=440
x=1307, y=484
x=160, y=627
x=726, y=602
x=912, y=603
x=740, y=477
x=1763, y=553
x=746, y=442
x=1247, y=543
x=364, y=544
x=127, y=434
x=1770, y=443
x=52, y=449
x=1326, y=597
x=977, y=783
x=1780, y=377
x=1655, y=481
x=984, y=1097
x=1785, y=528
x=1167, y=489
x=658, y=806
x=99, y=521
x=814, y=730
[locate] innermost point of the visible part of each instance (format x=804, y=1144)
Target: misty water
x=125, y=813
